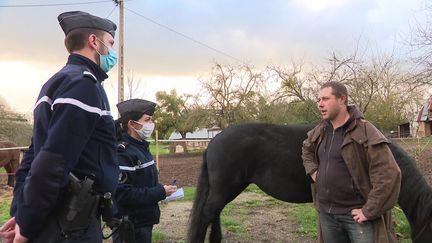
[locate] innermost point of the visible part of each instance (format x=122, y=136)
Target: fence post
x=157, y=149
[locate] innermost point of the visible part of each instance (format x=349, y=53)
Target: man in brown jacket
x=357, y=180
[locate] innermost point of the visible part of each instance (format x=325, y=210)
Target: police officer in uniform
x=139, y=190
x=73, y=137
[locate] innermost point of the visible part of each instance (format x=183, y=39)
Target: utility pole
x=120, y=3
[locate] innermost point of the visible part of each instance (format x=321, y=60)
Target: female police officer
x=139, y=191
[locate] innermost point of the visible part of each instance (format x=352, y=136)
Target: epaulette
x=87, y=73
x=121, y=146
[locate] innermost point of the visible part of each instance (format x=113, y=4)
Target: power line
x=52, y=4
x=184, y=36
x=112, y=11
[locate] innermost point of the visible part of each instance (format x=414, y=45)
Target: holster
x=126, y=230
x=78, y=205
x=106, y=211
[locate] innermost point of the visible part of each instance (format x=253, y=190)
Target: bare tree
x=379, y=86
x=420, y=41
x=295, y=87
x=134, y=86
x=229, y=90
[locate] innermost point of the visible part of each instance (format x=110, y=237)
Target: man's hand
x=358, y=215
x=313, y=176
x=18, y=237
x=7, y=231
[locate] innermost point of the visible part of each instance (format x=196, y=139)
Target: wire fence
x=160, y=147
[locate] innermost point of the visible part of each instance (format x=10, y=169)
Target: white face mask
x=146, y=129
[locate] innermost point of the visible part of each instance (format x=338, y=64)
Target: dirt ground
x=267, y=223
x=422, y=153
x=182, y=167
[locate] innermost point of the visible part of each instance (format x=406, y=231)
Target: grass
x=189, y=193
x=4, y=211
x=232, y=217
x=158, y=236
x=403, y=228
x=163, y=148
x=425, y=140
x=255, y=189
x=4, y=204
x=305, y=217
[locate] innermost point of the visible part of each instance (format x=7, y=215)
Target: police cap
x=77, y=19
x=136, y=105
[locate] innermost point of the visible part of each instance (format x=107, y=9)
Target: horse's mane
x=415, y=197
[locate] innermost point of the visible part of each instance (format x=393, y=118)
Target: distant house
x=421, y=125
x=198, y=139
x=424, y=119
x=203, y=133
x=404, y=130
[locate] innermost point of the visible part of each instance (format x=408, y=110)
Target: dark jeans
x=142, y=235
x=52, y=233
x=340, y=228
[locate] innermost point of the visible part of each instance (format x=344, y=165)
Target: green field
x=4, y=211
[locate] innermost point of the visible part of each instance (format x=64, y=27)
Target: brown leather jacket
x=373, y=168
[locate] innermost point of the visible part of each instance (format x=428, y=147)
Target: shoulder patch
x=90, y=75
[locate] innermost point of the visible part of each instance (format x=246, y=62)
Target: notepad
x=176, y=195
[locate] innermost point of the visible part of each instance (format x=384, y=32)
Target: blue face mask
x=107, y=61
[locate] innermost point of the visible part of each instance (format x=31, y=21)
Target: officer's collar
x=78, y=59
x=132, y=140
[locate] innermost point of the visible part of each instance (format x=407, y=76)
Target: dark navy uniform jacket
x=73, y=132
x=138, y=191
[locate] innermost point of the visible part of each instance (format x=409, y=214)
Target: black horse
x=270, y=156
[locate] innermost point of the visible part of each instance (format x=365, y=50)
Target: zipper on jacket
x=327, y=169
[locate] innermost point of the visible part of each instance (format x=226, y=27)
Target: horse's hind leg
x=198, y=227
x=10, y=174
x=201, y=218
x=12, y=167
x=216, y=232
x=219, y=197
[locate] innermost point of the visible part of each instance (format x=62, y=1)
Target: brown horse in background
x=9, y=159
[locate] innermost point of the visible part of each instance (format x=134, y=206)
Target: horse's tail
x=198, y=220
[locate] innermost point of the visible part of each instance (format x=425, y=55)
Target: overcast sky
x=258, y=32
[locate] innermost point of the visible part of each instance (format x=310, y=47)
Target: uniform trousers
x=52, y=233
x=142, y=235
